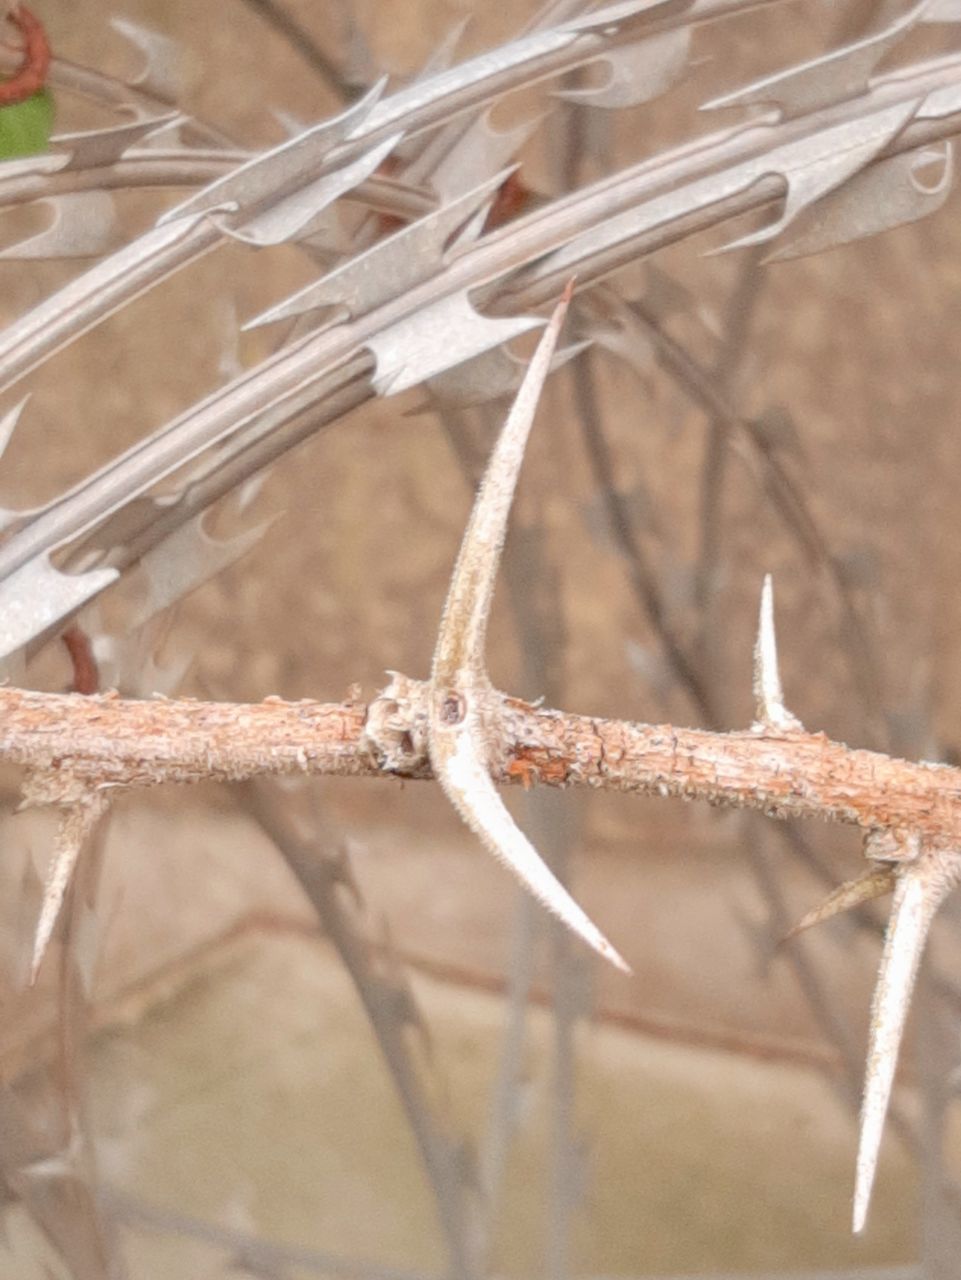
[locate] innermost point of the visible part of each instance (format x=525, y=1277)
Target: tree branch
x=70, y=743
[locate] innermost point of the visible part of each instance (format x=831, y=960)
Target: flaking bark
x=109, y=741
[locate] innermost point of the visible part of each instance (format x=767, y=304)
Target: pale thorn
x=919, y=891
x=466, y=780
x=76, y=824
x=871, y=884
x=459, y=684
x=768, y=696
x=463, y=628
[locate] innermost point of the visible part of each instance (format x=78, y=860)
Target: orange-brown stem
x=106, y=740
x=31, y=75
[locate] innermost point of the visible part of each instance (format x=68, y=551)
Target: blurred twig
x=77, y=960
x=252, y=1250
x=788, y=498
x=276, y=16
x=321, y=876
x=739, y=314
x=641, y=572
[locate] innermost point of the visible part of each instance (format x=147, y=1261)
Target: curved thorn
x=463, y=628
x=466, y=780
x=457, y=738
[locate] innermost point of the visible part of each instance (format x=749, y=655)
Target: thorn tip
x=771, y=712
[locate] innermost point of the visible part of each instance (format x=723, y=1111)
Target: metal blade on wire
x=84, y=225
x=878, y=199
x=143, y=264
x=301, y=214
x=161, y=74
x=304, y=373
x=272, y=174
x=179, y=564
x=390, y=268
x=637, y=73
x=477, y=152
x=186, y=559
x=98, y=147
x=831, y=78
x=8, y=424
x=437, y=337
x=37, y=596
x=808, y=165
x=812, y=172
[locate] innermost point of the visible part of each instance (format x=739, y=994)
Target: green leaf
x=25, y=127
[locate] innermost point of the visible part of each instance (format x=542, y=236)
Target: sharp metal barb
x=480, y=151
x=612, y=15
x=37, y=596
x=442, y=55
x=8, y=423
x=437, y=337
x=98, y=147
x=813, y=172
x=833, y=77
x=160, y=77
x=293, y=162
x=84, y=226
x=304, y=212
x=590, y=232
x=185, y=560
x=637, y=73
x=389, y=268
x=458, y=734
x=489, y=376
x=888, y=194
x=768, y=696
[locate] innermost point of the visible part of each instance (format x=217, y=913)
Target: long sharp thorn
x=768, y=697
x=459, y=680
x=917, y=897
x=463, y=628
x=467, y=783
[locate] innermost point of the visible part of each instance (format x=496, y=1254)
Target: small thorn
x=76, y=824
x=873, y=883
x=768, y=696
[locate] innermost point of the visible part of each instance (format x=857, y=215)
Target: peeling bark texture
x=107, y=741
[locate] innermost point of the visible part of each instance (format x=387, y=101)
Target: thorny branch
x=71, y=743
x=456, y=727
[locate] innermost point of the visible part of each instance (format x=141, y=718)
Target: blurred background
x=323, y=1033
